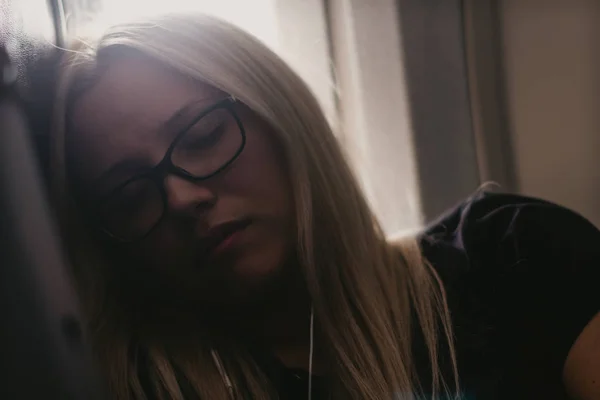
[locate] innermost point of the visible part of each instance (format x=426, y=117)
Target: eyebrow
x=181, y=115
x=175, y=121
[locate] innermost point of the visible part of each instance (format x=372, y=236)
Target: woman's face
x=223, y=237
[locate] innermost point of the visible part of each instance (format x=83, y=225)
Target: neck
x=279, y=312
x=278, y=321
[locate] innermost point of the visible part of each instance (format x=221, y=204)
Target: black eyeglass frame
x=165, y=167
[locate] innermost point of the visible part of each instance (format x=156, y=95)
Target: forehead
x=123, y=114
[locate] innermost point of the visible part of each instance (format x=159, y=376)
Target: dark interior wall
x=436, y=75
x=482, y=23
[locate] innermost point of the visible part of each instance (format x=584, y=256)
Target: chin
x=253, y=275
x=255, y=269
x=249, y=278
x=234, y=279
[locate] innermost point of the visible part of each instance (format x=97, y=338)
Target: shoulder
x=511, y=229
x=501, y=214
x=521, y=242
x=522, y=273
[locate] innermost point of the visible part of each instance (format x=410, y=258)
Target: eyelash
x=209, y=139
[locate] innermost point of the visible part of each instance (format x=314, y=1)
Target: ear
x=581, y=373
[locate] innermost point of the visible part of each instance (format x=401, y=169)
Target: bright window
x=295, y=29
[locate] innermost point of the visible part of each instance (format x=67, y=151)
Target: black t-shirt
x=522, y=278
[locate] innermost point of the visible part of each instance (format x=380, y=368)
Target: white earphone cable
x=225, y=375
x=311, y=351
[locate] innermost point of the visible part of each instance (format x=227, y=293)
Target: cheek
x=164, y=249
x=259, y=179
x=261, y=173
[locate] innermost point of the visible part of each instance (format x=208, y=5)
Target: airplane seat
x=43, y=353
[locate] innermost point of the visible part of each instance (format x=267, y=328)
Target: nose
x=188, y=198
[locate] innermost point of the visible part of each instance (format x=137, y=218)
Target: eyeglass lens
x=206, y=147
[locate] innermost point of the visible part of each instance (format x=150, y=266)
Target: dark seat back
x=42, y=351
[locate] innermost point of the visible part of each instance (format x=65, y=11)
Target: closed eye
x=202, y=141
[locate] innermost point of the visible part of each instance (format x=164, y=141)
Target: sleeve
x=545, y=260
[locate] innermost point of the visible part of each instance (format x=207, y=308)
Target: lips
x=220, y=234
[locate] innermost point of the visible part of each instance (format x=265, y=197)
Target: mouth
x=223, y=236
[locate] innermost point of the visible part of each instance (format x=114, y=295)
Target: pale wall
x=552, y=66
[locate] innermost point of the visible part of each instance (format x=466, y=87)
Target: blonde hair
x=365, y=291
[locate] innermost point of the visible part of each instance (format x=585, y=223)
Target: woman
x=223, y=249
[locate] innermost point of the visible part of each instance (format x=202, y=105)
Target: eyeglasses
x=205, y=147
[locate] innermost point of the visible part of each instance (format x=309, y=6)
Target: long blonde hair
x=365, y=292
